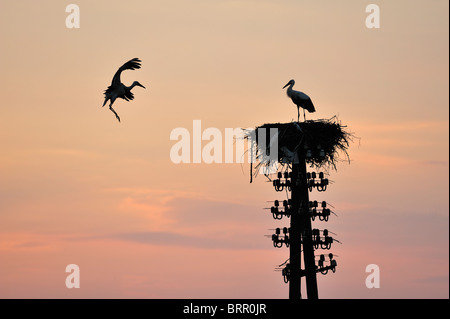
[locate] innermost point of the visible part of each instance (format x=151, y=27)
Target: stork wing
x=309, y=106
x=128, y=96
x=307, y=103
x=303, y=100
x=133, y=64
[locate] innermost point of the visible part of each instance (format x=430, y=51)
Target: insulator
x=286, y=273
x=324, y=204
x=330, y=255
x=277, y=231
x=321, y=175
x=322, y=153
x=286, y=175
x=285, y=203
x=285, y=230
x=325, y=232
x=313, y=175
x=308, y=175
x=315, y=203
x=322, y=257
x=277, y=203
x=287, y=210
x=308, y=154
x=327, y=243
x=279, y=175
x=315, y=232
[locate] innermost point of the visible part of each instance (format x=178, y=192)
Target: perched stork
x=300, y=99
x=118, y=89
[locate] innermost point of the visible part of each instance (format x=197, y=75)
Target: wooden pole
x=295, y=246
x=301, y=235
x=306, y=234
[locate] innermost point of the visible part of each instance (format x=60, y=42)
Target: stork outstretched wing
x=133, y=64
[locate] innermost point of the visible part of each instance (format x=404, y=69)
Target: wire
x=284, y=262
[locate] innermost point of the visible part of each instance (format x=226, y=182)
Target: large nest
x=318, y=141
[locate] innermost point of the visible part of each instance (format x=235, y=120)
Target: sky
x=78, y=187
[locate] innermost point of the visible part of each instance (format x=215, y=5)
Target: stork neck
x=132, y=86
x=289, y=89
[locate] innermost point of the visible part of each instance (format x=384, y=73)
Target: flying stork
x=300, y=99
x=118, y=89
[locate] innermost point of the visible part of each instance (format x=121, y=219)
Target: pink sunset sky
x=77, y=187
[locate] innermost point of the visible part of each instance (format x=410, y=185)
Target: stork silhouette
x=118, y=89
x=300, y=99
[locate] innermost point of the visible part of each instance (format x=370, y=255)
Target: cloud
x=176, y=239
x=443, y=164
x=188, y=210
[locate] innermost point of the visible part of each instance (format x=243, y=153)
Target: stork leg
x=117, y=116
x=298, y=114
x=304, y=116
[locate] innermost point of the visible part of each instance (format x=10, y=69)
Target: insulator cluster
x=320, y=239
x=318, y=152
x=323, y=213
x=286, y=273
x=324, y=241
x=278, y=239
x=278, y=212
x=322, y=267
x=319, y=183
x=282, y=182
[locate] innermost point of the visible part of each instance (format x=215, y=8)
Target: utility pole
x=300, y=237
x=311, y=143
x=295, y=247
x=306, y=231
x=301, y=234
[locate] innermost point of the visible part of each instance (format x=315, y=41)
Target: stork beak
x=286, y=85
x=140, y=85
